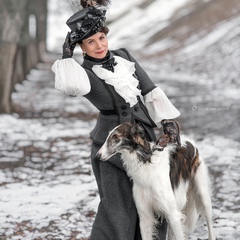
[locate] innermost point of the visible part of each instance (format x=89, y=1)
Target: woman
x=119, y=88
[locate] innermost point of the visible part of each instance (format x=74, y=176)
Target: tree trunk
x=20, y=51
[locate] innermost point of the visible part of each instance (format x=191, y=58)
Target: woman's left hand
x=68, y=47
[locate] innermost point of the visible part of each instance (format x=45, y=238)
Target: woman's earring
x=84, y=54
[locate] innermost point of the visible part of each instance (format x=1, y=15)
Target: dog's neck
x=144, y=152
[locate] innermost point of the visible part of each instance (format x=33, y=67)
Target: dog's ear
x=137, y=134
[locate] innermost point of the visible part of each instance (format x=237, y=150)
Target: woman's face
x=95, y=46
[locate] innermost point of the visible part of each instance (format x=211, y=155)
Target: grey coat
x=116, y=217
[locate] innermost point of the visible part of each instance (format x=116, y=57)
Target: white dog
x=172, y=182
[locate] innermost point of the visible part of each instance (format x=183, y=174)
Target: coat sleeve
x=159, y=106
x=70, y=77
x=155, y=100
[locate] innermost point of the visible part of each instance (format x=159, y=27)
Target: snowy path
x=47, y=190
x=47, y=187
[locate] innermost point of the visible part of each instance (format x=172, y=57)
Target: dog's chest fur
x=145, y=174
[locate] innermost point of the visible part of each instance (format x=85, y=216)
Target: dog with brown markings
x=170, y=182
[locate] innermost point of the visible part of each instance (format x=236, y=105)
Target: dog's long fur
x=173, y=182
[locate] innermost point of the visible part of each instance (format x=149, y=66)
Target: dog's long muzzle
x=101, y=156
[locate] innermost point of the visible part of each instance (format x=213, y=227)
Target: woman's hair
x=103, y=29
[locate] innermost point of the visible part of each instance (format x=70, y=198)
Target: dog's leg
x=145, y=212
x=170, y=233
x=165, y=203
x=203, y=197
x=146, y=226
x=168, y=206
x=176, y=228
x=191, y=215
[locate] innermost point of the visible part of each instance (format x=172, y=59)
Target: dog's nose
x=98, y=156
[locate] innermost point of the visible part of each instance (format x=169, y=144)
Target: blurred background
x=189, y=48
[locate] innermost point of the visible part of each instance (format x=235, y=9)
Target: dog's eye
x=114, y=136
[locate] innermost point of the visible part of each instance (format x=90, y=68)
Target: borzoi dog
x=172, y=182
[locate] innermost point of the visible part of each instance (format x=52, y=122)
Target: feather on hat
x=89, y=3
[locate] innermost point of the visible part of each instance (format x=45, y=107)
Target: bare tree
x=22, y=42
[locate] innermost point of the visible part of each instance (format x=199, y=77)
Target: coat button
x=136, y=108
x=124, y=114
x=123, y=107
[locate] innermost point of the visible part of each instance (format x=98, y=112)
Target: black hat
x=86, y=23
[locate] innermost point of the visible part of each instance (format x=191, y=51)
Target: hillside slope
x=192, y=36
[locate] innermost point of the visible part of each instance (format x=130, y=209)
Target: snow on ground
x=47, y=189
x=47, y=177
x=49, y=180
x=142, y=23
